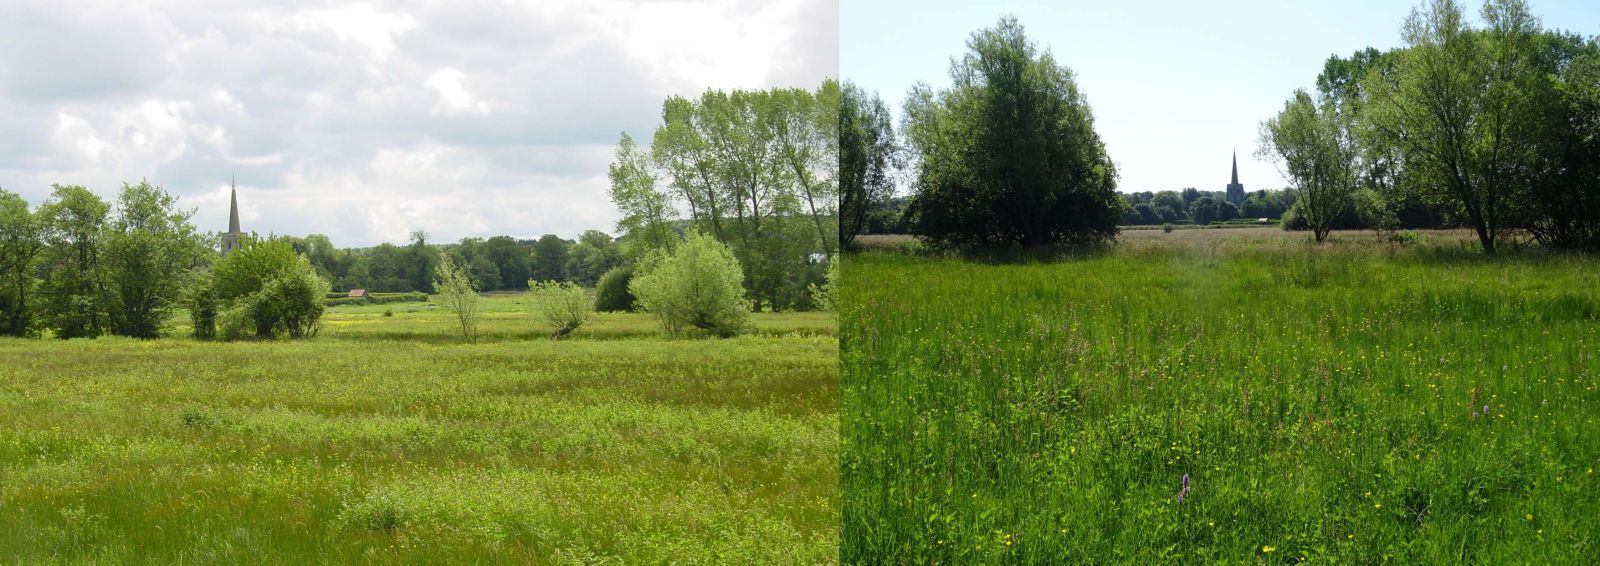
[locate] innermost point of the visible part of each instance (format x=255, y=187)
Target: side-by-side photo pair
x=808, y=282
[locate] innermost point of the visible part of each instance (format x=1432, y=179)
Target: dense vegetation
x=1008, y=154
x=1223, y=396
x=1495, y=128
x=387, y=440
x=756, y=171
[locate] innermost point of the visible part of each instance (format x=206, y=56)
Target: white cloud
x=365, y=121
x=453, y=95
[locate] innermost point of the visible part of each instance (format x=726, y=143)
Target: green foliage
x=647, y=214
x=593, y=255
x=550, y=258
x=826, y=296
x=202, y=303
x=149, y=248
x=273, y=288
x=20, y=245
x=1008, y=155
x=612, y=294
x=1314, y=145
x=458, y=296
x=73, y=288
x=867, y=155
x=700, y=286
x=562, y=305
x=1325, y=401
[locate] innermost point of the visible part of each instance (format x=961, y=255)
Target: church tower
x=230, y=240
x=1235, y=194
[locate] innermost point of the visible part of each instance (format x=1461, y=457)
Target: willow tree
x=1313, y=144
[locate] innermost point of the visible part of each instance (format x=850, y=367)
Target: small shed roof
x=358, y=292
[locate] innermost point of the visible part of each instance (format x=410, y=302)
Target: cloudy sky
x=367, y=120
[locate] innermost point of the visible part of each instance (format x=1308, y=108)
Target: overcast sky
x=1175, y=85
x=367, y=120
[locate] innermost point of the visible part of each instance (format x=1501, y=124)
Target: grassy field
x=1354, y=402
x=386, y=440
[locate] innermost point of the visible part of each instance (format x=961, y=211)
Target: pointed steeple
x=232, y=207
x=1235, y=166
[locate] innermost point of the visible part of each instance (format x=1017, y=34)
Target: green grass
x=1320, y=398
x=385, y=441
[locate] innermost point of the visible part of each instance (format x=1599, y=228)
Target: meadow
x=1238, y=396
x=386, y=439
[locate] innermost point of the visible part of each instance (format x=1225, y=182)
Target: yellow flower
x=1268, y=548
x=1528, y=516
x=1377, y=505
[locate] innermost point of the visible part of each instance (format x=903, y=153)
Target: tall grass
x=1328, y=404
x=375, y=444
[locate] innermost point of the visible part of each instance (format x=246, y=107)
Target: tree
x=593, y=255
x=550, y=258
x=150, y=246
x=511, y=258
x=265, y=286
x=1459, y=105
x=699, y=286
x=458, y=296
x=826, y=296
x=73, y=291
x=562, y=305
x=611, y=293
x=867, y=150
x=1312, y=144
x=1205, y=209
x=805, y=134
x=647, y=214
x=1009, y=154
x=20, y=244
x=420, y=261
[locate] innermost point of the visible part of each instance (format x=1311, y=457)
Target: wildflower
x=1268, y=548
x=1377, y=505
x=1485, y=410
x=1185, y=492
x=1528, y=516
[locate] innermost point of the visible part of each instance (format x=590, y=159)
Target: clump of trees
x=1008, y=155
x=1496, y=128
x=754, y=170
x=81, y=267
x=562, y=305
x=698, y=285
x=263, y=289
x=612, y=294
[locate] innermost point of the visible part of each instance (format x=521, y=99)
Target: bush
x=700, y=285
x=202, y=302
x=612, y=294
x=1166, y=227
x=826, y=297
x=562, y=305
x=276, y=289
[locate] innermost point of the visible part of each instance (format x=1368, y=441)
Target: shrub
x=275, y=288
x=562, y=305
x=202, y=302
x=699, y=285
x=612, y=294
x=1166, y=227
x=826, y=297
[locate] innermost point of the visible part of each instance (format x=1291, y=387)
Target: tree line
x=492, y=264
x=1494, y=127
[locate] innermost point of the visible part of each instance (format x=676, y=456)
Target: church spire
x=1235, y=166
x=232, y=207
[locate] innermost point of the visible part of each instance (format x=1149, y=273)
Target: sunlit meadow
x=1223, y=395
